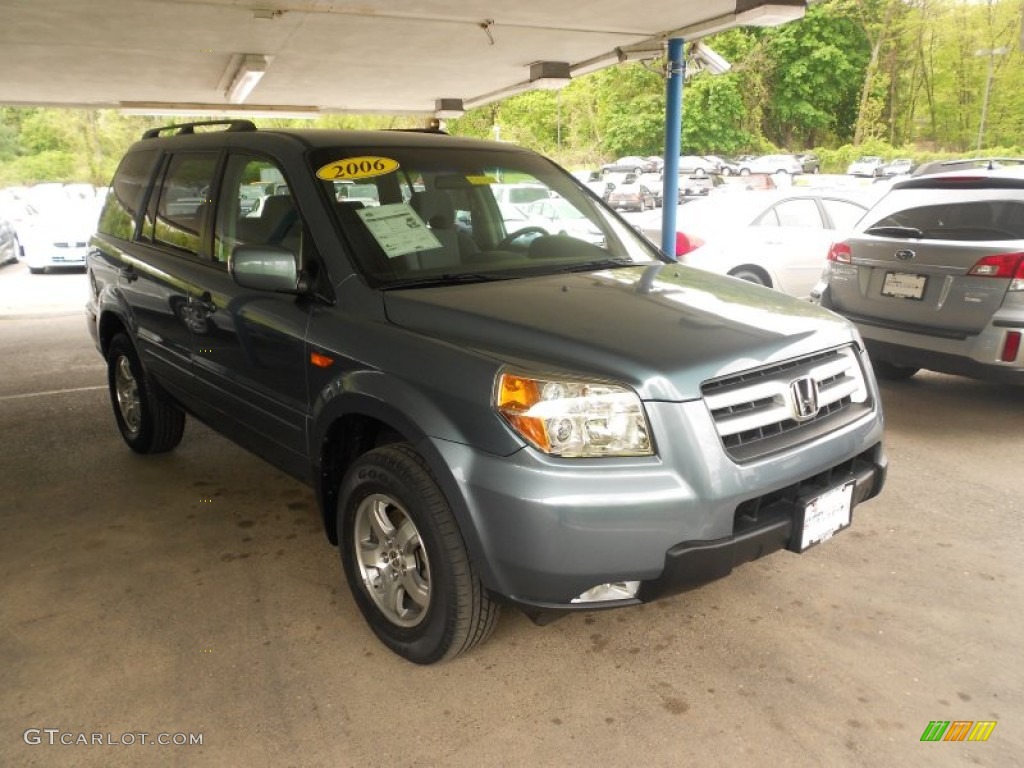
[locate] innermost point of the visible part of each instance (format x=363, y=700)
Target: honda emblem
x=804, y=393
x=905, y=254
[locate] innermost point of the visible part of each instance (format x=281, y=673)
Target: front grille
x=758, y=412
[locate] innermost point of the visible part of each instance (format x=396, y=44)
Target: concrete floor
x=194, y=593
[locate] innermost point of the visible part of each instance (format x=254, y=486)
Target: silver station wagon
x=934, y=276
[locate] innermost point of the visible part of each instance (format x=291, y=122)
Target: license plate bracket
x=904, y=285
x=820, y=517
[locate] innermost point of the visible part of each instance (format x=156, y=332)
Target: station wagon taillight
x=840, y=252
x=1004, y=265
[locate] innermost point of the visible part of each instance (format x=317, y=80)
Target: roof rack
x=181, y=129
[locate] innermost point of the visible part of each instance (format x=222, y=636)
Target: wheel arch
x=758, y=270
x=358, y=422
x=110, y=324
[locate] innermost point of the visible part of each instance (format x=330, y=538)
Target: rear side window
x=121, y=209
x=843, y=214
x=955, y=220
x=182, y=202
x=792, y=213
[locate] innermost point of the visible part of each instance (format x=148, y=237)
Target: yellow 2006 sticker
x=357, y=168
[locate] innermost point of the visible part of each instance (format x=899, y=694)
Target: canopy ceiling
x=385, y=56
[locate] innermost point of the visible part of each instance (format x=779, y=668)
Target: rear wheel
x=891, y=372
x=405, y=560
x=149, y=422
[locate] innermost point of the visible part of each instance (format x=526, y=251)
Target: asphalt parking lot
x=194, y=593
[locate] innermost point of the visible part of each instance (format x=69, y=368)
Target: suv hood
x=662, y=329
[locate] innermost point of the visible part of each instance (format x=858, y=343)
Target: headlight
x=572, y=418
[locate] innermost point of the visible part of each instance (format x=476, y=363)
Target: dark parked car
x=490, y=413
x=632, y=164
x=933, y=276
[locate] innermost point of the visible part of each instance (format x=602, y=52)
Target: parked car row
x=700, y=165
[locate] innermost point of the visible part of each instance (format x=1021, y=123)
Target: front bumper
x=543, y=531
x=691, y=564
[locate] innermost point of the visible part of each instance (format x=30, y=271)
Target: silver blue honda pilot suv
x=492, y=410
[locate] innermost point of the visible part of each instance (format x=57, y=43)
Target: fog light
x=616, y=590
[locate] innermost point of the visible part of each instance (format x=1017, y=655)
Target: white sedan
x=777, y=238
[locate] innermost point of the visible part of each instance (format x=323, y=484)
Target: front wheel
x=405, y=560
x=149, y=422
x=751, y=276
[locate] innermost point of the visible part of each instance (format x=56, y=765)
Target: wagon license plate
x=902, y=285
x=822, y=516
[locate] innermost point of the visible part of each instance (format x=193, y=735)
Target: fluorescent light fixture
x=250, y=71
x=769, y=14
x=449, y=108
x=550, y=75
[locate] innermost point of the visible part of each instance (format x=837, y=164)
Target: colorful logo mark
x=958, y=730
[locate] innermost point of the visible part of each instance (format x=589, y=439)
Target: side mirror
x=265, y=268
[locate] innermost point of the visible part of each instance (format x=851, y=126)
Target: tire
x=744, y=171
x=891, y=372
x=752, y=275
x=396, y=528
x=149, y=422
x=727, y=172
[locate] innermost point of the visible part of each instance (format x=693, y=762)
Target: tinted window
x=981, y=220
x=121, y=208
x=182, y=202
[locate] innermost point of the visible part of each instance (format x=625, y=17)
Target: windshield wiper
x=895, y=231
x=449, y=278
x=591, y=266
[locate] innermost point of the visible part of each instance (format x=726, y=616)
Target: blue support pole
x=673, y=143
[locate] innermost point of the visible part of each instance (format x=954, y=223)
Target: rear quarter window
x=125, y=199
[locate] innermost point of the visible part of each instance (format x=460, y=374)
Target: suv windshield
x=445, y=215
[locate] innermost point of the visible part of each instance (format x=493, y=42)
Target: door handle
x=128, y=273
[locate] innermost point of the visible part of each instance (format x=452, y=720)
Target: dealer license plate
x=902, y=285
x=825, y=515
